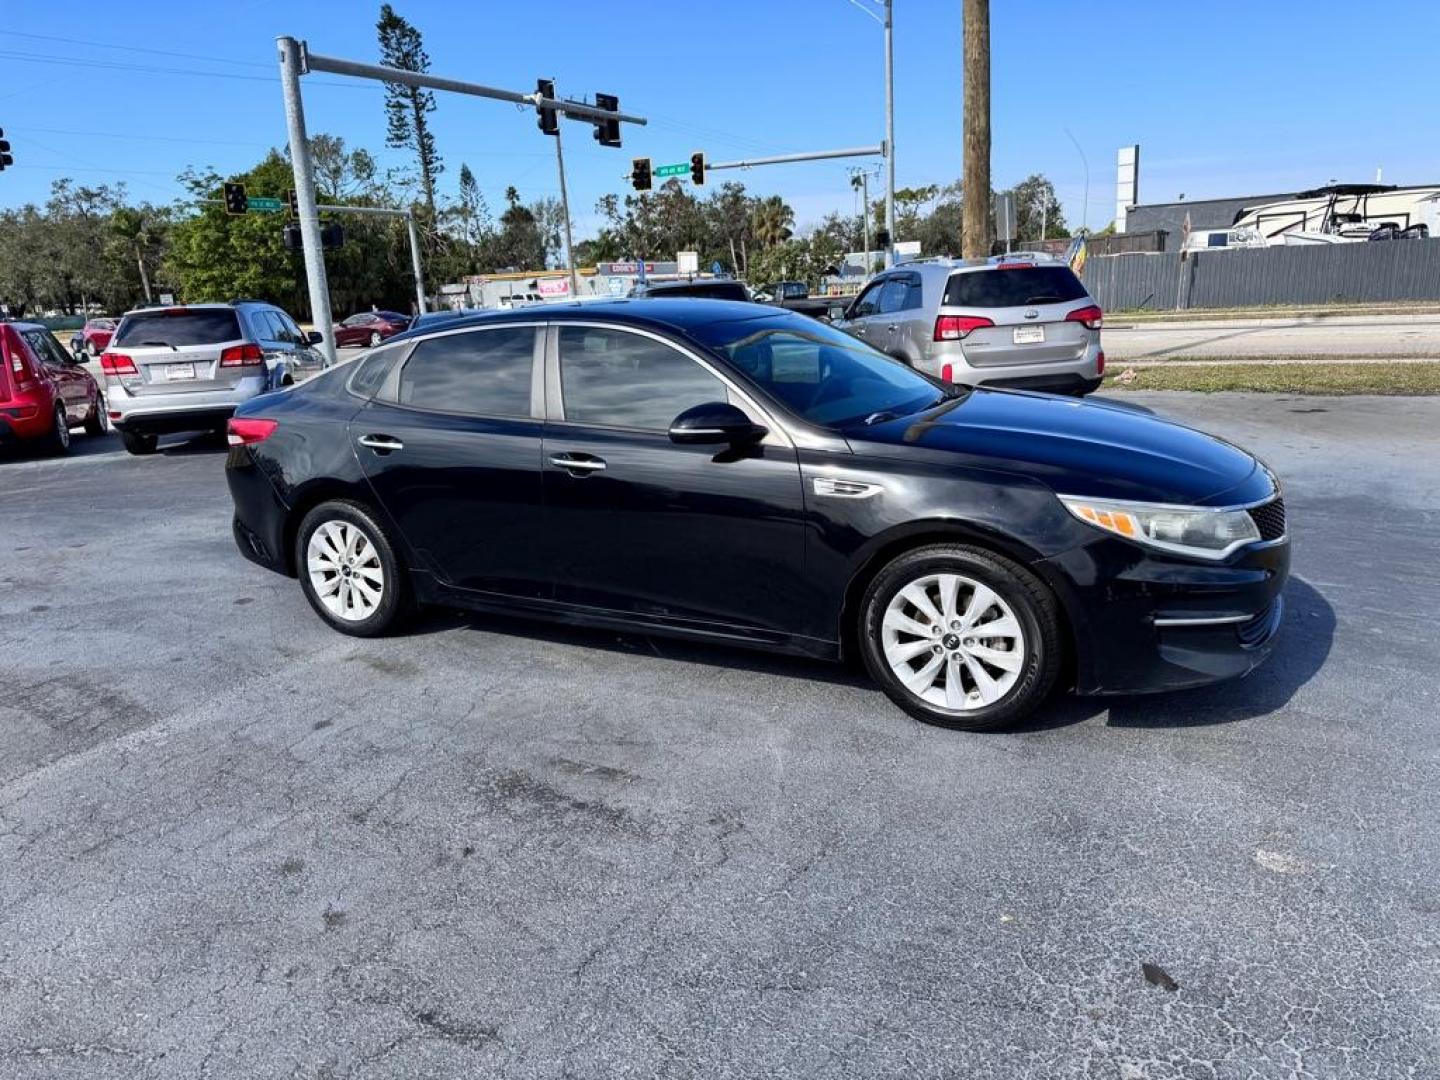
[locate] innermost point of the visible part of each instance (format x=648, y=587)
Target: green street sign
x=273, y=205
x=683, y=169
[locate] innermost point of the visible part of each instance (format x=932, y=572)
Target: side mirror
x=715, y=422
x=314, y=337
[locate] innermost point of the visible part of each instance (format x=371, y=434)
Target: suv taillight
x=1091, y=316
x=244, y=431
x=955, y=327
x=241, y=355
x=117, y=364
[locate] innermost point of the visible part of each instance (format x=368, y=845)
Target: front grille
x=1270, y=519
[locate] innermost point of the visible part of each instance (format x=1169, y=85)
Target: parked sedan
x=93, y=337
x=44, y=391
x=743, y=474
x=370, y=328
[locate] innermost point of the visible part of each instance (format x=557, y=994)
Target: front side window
x=46, y=349
x=613, y=378
x=480, y=373
x=867, y=301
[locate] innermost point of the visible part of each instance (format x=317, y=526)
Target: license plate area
x=178, y=372
x=1029, y=335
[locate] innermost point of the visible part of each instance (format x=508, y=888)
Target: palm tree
x=772, y=221
x=976, y=222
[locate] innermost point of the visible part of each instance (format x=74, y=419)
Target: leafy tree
x=519, y=245
x=342, y=175
x=772, y=221
x=406, y=107
x=1035, y=203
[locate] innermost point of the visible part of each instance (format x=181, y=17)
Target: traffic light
x=549, y=121
x=607, y=132
x=331, y=237
x=291, y=238
x=697, y=168
x=235, y=199
x=640, y=173
x=5, y=158
x=292, y=200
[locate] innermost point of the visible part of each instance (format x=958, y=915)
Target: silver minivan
x=186, y=368
x=1021, y=320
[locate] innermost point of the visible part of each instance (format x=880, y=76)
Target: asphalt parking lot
x=236, y=844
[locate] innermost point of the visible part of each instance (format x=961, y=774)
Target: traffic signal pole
x=786, y=159
x=296, y=60
x=291, y=68
x=565, y=209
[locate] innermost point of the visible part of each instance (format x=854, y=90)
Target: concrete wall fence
x=1319, y=274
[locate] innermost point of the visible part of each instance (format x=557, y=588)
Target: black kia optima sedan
x=742, y=474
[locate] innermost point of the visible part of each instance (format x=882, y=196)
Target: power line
x=138, y=49
x=149, y=69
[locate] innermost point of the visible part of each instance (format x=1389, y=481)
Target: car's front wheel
x=961, y=637
x=374, y=338
x=349, y=571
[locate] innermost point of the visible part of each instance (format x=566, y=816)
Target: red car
x=370, y=328
x=94, y=338
x=44, y=391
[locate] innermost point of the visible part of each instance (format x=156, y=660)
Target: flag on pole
x=1077, y=255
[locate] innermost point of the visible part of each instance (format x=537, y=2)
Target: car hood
x=1090, y=448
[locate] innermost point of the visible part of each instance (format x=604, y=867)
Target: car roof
x=678, y=313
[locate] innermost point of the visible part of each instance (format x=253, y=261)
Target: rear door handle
x=578, y=466
x=381, y=444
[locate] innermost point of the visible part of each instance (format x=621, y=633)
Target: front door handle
x=381, y=444
x=893, y=327
x=578, y=466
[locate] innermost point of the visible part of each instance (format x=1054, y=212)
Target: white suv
x=186, y=368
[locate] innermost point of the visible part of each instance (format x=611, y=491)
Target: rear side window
x=209, y=326
x=481, y=373
x=1013, y=288
x=369, y=376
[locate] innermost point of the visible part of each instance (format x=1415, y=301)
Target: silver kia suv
x=1022, y=320
x=186, y=368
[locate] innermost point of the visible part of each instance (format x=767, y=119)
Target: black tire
x=1089, y=386
x=138, y=442
x=98, y=422
x=1034, y=607
x=395, y=595
x=57, y=441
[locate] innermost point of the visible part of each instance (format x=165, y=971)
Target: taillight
x=1091, y=316
x=955, y=327
x=241, y=355
x=1100, y=364
x=245, y=431
x=117, y=364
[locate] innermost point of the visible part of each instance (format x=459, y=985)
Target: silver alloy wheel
x=102, y=415
x=62, y=427
x=952, y=642
x=375, y=338
x=345, y=570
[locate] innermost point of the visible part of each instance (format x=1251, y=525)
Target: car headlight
x=1199, y=531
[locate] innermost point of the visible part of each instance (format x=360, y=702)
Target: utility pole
x=861, y=178
x=565, y=209
x=889, y=134
x=290, y=70
x=976, y=242
x=415, y=263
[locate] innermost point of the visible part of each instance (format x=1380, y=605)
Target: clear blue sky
x=1224, y=98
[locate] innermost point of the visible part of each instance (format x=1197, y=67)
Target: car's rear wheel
x=349, y=570
x=58, y=440
x=139, y=443
x=374, y=338
x=960, y=637
x=98, y=422
x=92, y=349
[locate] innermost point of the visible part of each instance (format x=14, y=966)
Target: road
x=236, y=844
x=1416, y=336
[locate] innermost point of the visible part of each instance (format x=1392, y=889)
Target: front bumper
x=1145, y=621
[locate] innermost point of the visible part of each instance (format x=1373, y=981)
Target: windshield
x=820, y=373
